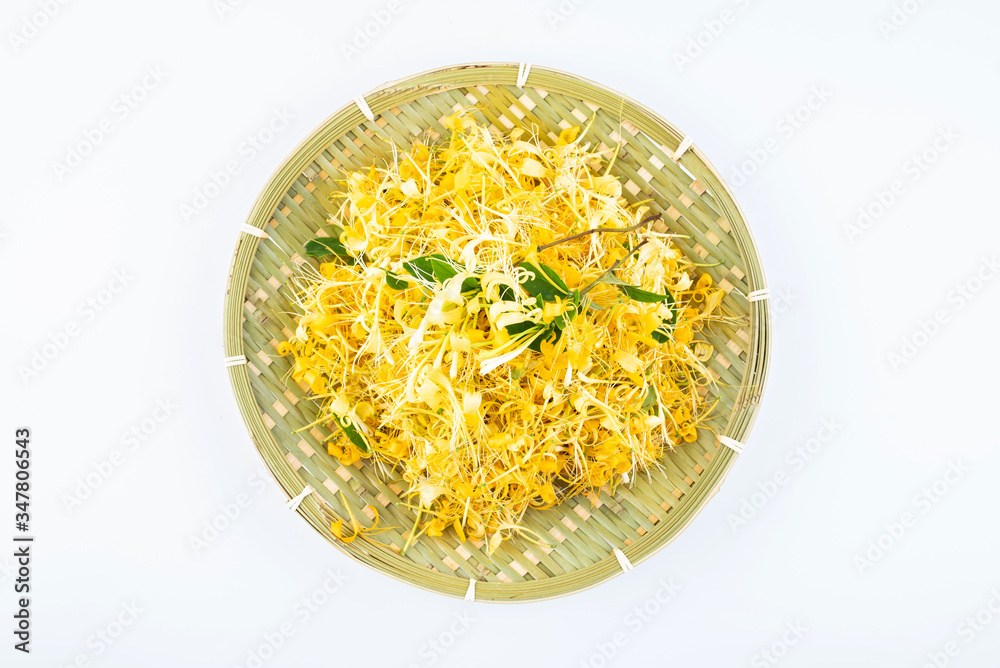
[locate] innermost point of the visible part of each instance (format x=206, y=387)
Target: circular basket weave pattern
x=655, y=163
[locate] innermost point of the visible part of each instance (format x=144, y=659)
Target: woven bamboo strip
x=582, y=532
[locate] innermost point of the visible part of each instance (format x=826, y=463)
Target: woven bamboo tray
x=593, y=537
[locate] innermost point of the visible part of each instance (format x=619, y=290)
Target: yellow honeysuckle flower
x=440, y=379
x=568, y=135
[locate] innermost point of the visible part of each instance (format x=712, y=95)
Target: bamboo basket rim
x=351, y=115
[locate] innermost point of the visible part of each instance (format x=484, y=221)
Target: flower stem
x=612, y=268
x=643, y=223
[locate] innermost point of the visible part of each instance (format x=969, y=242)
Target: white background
x=846, y=304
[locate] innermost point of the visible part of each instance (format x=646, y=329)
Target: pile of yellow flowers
x=494, y=323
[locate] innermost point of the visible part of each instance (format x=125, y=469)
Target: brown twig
x=613, y=267
x=643, y=223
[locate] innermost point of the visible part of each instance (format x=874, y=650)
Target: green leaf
x=448, y=268
x=421, y=267
x=435, y=267
x=673, y=308
x=611, y=279
x=650, y=400
x=443, y=268
x=472, y=284
x=550, y=333
x=353, y=435
x=554, y=276
x=395, y=282
x=438, y=268
x=544, y=282
x=661, y=335
x=640, y=295
x=518, y=327
x=324, y=246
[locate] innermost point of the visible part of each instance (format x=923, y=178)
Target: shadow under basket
x=592, y=537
